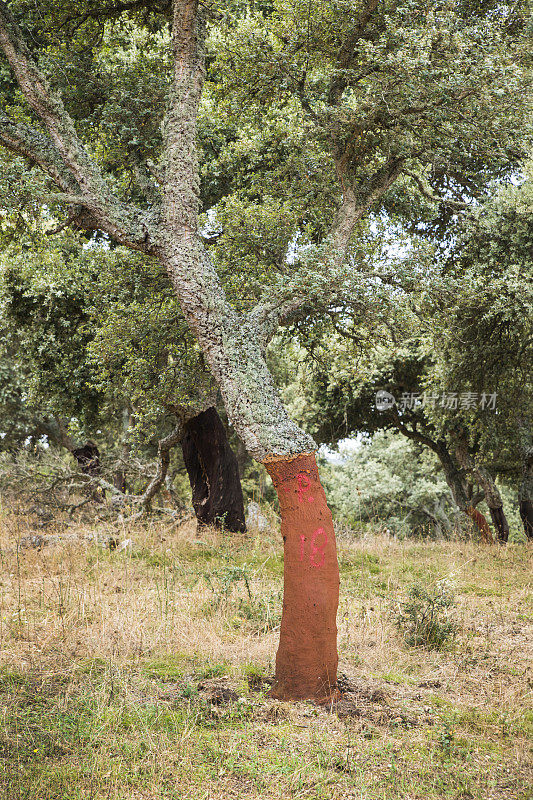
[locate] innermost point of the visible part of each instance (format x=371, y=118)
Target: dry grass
x=109, y=662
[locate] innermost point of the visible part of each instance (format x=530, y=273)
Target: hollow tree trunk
x=213, y=472
x=306, y=661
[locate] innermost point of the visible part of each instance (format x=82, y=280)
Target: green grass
x=104, y=738
x=109, y=662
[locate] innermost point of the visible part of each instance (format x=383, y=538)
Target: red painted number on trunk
x=304, y=485
x=317, y=555
x=318, y=552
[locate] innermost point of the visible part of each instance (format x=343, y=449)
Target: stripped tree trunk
x=455, y=479
x=480, y=521
x=213, y=472
x=306, y=661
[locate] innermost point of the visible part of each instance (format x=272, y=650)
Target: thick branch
x=331, y=280
x=31, y=143
x=124, y=223
x=354, y=205
x=48, y=106
x=190, y=269
x=348, y=51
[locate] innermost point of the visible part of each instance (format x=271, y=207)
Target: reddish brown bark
x=306, y=661
x=481, y=523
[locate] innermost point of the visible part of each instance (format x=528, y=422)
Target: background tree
x=88, y=330
x=380, y=90
x=390, y=483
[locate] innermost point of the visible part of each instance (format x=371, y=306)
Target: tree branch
x=434, y=198
x=165, y=446
x=24, y=140
x=126, y=224
x=347, y=52
x=331, y=280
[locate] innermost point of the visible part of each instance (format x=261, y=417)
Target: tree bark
x=500, y=522
x=525, y=494
x=492, y=494
x=213, y=472
x=454, y=476
x=306, y=661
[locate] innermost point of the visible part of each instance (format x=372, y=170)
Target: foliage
x=390, y=482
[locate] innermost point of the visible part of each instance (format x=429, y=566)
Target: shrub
x=425, y=617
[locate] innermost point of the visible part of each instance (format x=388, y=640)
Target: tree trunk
x=525, y=494
x=213, y=472
x=456, y=481
x=526, y=515
x=481, y=523
x=500, y=522
x=234, y=345
x=306, y=661
x=492, y=494
x=453, y=474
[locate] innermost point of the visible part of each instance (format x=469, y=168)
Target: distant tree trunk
x=492, y=495
x=525, y=493
x=454, y=475
x=500, y=522
x=88, y=458
x=213, y=472
x=526, y=514
x=481, y=523
x=456, y=482
x=119, y=475
x=455, y=479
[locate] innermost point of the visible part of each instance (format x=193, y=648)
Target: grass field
x=143, y=673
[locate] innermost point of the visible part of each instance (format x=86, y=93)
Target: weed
x=255, y=675
x=223, y=581
x=445, y=739
x=424, y=619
